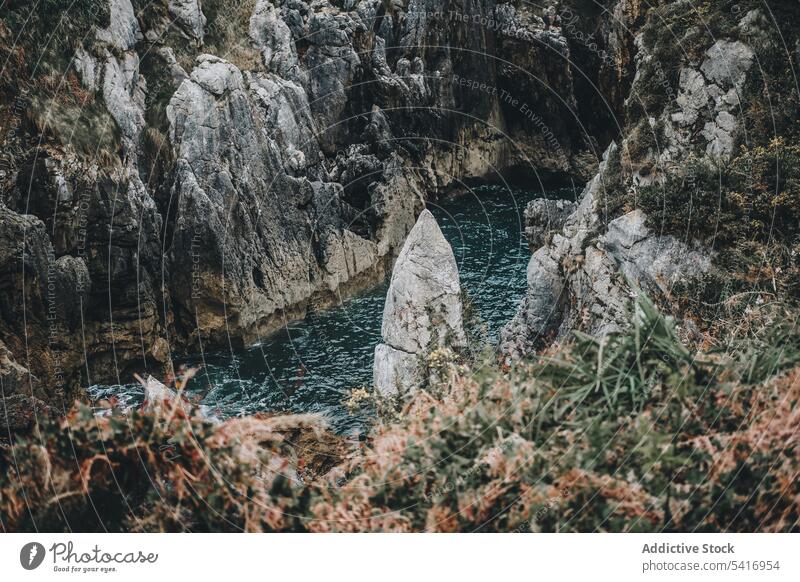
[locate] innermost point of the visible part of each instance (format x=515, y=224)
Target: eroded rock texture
x=186, y=172
x=423, y=310
x=208, y=170
x=589, y=265
x=586, y=274
x=543, y=217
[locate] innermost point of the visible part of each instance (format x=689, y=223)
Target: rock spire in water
x=422, y=311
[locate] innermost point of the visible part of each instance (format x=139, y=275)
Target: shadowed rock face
x=544, y=217
x=584, y=273
x=423, y=309
x=238, y=191
x=247, y=160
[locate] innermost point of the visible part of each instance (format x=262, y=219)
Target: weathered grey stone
x=543, y=217
x=396, y=371
x=124, y=94
x=157, y=396
x=692, y=97
x=654, y=262
x=122, y=86
x=540, y=313
x=189, y=16
x=224, y=204
x=586, y=275
x=754, y=26
x=571, y=283
x=177, y=73
x=710, y=95
x=423, y=303
x=20, y=413
x=123, y=31
x=252, y=205
x=334, y=64
x=727, y=62
x=423, y=308
x=272, y=36
x=71, y=278
x=719, y=134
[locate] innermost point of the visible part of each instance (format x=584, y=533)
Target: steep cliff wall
x=698, y=203
x=178, y=173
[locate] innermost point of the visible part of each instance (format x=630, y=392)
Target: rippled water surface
x=311, y=365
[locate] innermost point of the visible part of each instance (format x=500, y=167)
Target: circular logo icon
x=31, y=555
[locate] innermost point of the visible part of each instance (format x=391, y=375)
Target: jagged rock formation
x=187, y=172
x=423, y=309
x=189, y=16
x=583, y=276
x=708, y=95
x=208, y=170
x=157, y=396
x=543, y=217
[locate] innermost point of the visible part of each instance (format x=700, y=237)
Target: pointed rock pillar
x=423, y=309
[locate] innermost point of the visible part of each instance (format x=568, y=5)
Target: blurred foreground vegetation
x=647, y=430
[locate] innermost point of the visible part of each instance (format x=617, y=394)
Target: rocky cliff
x=586, y=274
x=684, y=208
x=178, y=174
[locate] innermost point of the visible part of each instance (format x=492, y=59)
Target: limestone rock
x=122, y=86
x=540, y=312
x=423, y=308
x=123, y=92
x=653, y=261
x=396, y=371
x=719, y=134
x=19, y=413
x=582, y=281
x=87, y=68
x=123, y=31
x=189, y=15
x=423, y=304
x=727, y=63
x=543, y=217
x=14, y=378
x=274, y=38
